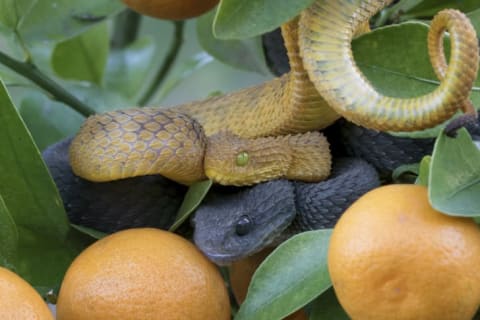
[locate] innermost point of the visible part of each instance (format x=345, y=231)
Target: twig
x=167, y=64
x=31, y=72
x=126, y=27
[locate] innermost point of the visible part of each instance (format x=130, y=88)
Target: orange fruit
x=241, y=272
x=143, y=273
x=392, y=256
x=171, y=9
x=19, y=300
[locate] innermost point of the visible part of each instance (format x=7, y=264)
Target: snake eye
x=243, y=226
x=242, y=159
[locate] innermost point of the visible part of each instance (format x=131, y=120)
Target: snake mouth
x=220, y=178
x=222, y=259
x=226, y=179
x=227, y=258
x=221, y=256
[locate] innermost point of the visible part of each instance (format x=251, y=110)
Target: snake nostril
x=243, y=225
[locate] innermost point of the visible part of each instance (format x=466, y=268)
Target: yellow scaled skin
x=144, y=141
x=137, y=142
x=323, y=85
x=328, y=59
x=294, y=156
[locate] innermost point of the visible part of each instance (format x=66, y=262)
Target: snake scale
x=268, y=131
x=232, y=225
x=380, y=149
x=147, y=201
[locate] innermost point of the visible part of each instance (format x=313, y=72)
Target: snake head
x=233, y=160
x=233, y=223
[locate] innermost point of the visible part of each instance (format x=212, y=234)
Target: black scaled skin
x=231, y=223
x=150, y=201
x=321, y=204
x=384, y=151
x=236, y=224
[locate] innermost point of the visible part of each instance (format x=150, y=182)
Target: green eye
x=242, y=159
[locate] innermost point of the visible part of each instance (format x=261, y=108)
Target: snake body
x=256, y=134
x=326, y=31
x=173, y=142
x=149, y=201
x=380, y=149
x=230, y=223
x=235, y=224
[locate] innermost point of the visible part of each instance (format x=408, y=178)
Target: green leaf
x=474, y=17
x=422, y=9
x=95, y=234
x=8, y=237
x=238, y=19
x=101, y=100
x=327, y=307
x=405, y=169
x=128, y=67
x=454, y=183
x=12, y=12
x=184, y=71
x=428, y=8
x=45, y=245
x=11, y=46
x=241, y=54
x=390, y=71
x=83, y=57
x=424, y=171
x=48, y=121
x=194, y=196
x=289, y=278
x=383, y=56
x=61, y=19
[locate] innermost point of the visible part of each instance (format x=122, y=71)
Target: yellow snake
x=268, y=131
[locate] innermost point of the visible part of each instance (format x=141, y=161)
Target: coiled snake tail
x=328, y=59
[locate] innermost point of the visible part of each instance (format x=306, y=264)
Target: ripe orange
x=171, y=9
x=392, y=256
x=241, y=272
x=19, y=300
x=143, y=273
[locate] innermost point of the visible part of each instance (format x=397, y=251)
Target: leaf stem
x=126, y=27
x=167, y=64
x=31, y=72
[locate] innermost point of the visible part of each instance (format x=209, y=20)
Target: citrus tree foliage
x=61, y=61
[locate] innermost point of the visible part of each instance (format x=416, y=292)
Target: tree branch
x=167, y=64
x=126, y=27
x=31, y=72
